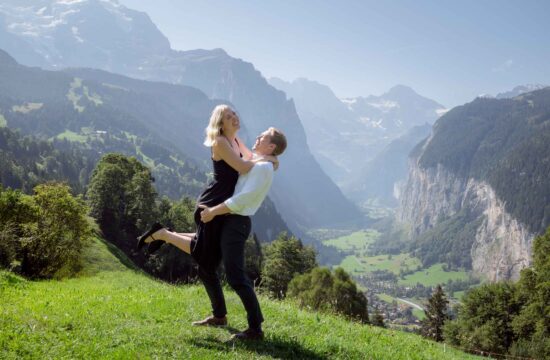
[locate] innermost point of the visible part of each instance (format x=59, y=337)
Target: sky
x=449, y=51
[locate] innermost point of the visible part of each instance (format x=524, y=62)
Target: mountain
x=395, y=111
x=349, y=136
x=108, y=36
x=477, y=191
x=382, y=177
x=518, y=90
x=156, y=122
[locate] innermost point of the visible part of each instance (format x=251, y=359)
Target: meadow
x=112, y=310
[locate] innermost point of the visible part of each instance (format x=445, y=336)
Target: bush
x=42, y=234
x=319, y=289
x=54, y=242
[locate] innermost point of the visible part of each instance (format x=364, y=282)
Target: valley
x=397, y=284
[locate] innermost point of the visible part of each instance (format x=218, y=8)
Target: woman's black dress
x=207, y=250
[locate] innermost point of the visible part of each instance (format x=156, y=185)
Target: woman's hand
x=272, y=159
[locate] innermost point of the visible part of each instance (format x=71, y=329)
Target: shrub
x=54, y=242
x=319, y=289
x=42, y=235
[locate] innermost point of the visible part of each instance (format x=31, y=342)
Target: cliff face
x=502, y=244
x=478, y=189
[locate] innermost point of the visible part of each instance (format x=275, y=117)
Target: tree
x=43, y=234
x=285, y=258
x=436, y=315
x=319, y=289
x=484, y=318
x=170, y=263
x=532, y=325
x=122, y=198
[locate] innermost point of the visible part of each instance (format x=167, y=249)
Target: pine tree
x=436, y=315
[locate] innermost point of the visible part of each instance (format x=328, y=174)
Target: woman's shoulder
x=219, y=140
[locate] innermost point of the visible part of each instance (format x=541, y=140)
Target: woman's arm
x=247, y=154
x=223, y=150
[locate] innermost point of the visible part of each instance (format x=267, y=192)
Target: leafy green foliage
x=484, y=319
x=319, y=289
x=450, y=242
x=436, y=315
x=26, y=162
x=504, y=317
x=122, y=198
x=45, y=233
x=285, y=258
x=532, y=325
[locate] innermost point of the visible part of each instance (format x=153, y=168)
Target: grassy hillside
x=114, y=311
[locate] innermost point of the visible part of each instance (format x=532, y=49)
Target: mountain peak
x=401, y=90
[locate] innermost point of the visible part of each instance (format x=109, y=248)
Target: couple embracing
x=242, y=179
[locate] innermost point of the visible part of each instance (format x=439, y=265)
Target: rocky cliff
x=477, y=186
x=502, y=244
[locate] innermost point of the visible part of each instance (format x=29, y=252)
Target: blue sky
x=450, y=51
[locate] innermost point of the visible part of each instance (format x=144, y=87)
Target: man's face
x=263, y=145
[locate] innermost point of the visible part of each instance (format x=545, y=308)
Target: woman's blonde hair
x=214, y=128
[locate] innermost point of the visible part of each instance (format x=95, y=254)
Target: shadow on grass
x=273, y=346
x=120, y=255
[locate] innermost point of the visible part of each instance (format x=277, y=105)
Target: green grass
x=433, y=275
x=359, y=240
x=72, y=136
x=360, y=265
x=458, y=295
x=419, y=314
x=3, y=121
x=112, y=311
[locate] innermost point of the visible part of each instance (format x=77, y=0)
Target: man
x=250, y=191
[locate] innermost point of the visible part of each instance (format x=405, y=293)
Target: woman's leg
x=182, y=241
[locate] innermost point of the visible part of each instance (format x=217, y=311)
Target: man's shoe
x=249, y=334
x=153, y=229
x=211, y=321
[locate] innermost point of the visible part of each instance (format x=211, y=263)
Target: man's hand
x=206, y=214
x=272, y=159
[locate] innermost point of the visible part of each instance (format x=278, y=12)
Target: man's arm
x=247, y=199
x=207, y=214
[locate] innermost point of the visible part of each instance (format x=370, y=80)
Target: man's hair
x=277, y=137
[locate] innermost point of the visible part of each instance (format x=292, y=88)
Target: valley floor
x=396, y=284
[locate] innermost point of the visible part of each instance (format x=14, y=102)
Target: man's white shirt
x=251, y=189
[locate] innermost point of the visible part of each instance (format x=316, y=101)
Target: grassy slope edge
x=111, y=311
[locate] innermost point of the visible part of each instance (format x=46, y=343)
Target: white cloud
x=505, y=66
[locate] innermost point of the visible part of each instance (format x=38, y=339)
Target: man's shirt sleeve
x=248, y=200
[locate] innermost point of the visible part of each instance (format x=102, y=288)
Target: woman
x=230, y=157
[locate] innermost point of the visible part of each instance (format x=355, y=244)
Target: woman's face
x=230, y=121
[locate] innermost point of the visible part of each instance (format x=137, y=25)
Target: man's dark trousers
x=234, y=233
